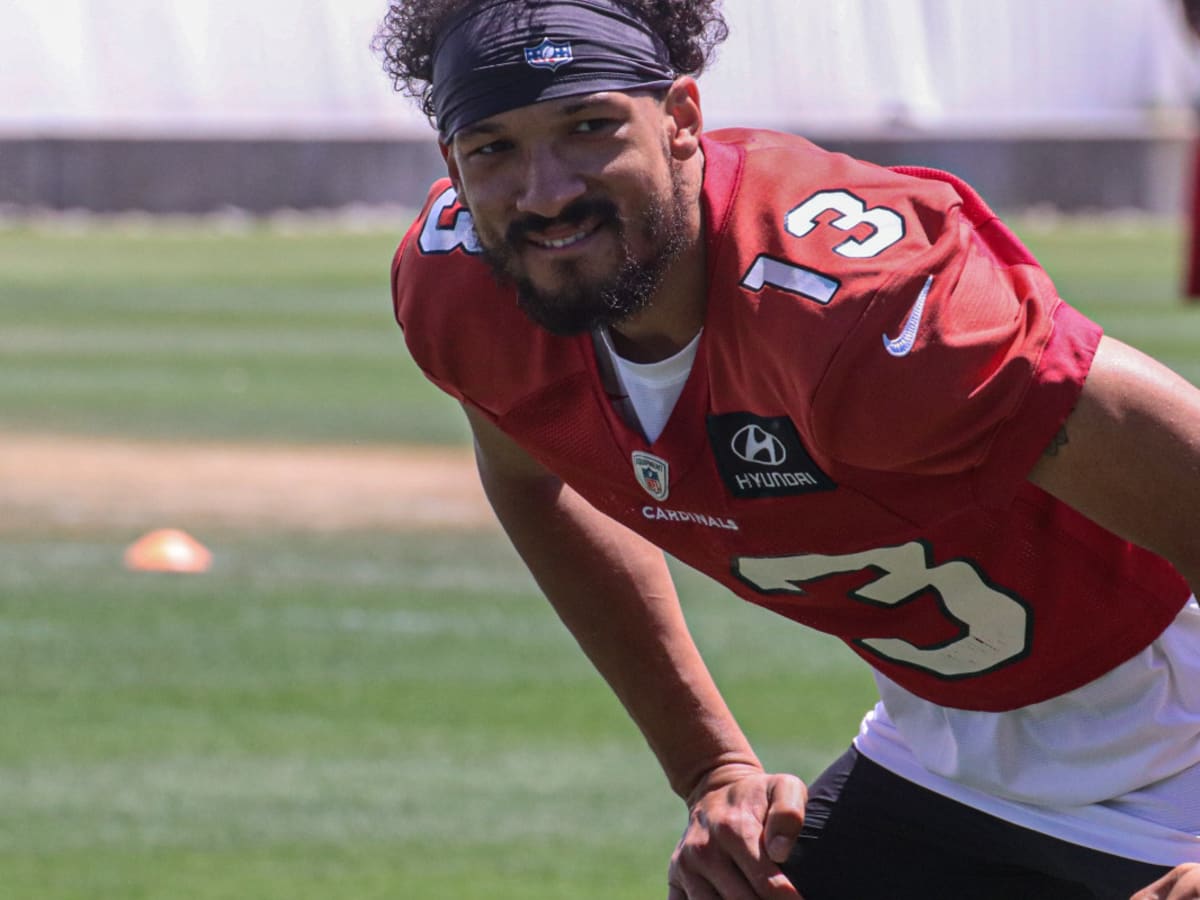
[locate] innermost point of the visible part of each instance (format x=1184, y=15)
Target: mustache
x=574, y=213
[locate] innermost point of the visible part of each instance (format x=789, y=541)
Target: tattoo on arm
x=1060, y=441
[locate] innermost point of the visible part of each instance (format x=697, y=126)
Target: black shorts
x=872, y=834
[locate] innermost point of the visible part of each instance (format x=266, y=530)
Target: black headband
x=502, y=55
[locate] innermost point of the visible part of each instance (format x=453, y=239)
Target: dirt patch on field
x=85, y=483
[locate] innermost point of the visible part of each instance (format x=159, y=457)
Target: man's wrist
x=722, y=775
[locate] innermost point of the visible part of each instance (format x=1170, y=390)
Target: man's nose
x=550, y=183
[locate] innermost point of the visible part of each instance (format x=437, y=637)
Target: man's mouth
x=562, y=242
x=574, y=225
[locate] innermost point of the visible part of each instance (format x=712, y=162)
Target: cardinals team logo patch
x=549, y=54
x=762, y=456
x=653, y=474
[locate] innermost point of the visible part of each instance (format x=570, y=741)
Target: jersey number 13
x=886, y=225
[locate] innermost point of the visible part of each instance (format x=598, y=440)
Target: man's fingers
x=698, y=892
x=729, y=878
x=1181, y=883
x=697, y=889
x=724, y=855
x=779, y=848
x=786, y=797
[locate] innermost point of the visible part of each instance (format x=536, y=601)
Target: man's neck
x=676, y=314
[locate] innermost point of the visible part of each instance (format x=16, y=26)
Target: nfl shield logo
x=653, y=474
x=549, y=54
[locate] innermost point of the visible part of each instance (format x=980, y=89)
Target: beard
x=586, y=302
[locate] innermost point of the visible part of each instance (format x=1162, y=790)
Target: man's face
x=576, y=202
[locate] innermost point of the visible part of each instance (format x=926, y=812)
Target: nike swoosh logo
x=904, y=341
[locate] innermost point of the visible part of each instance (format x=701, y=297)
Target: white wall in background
x=304, y=68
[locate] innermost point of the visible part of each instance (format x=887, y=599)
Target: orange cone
x=167, y=550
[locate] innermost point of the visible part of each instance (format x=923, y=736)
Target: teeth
x=563, y=242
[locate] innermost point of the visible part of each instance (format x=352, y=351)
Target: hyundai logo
x=755, y=445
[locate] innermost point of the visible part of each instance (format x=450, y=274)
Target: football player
x=849, y=394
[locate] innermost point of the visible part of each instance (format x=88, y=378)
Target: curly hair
x=691, y=30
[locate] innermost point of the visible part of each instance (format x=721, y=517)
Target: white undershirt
x=1113, y=765
x=644, y=393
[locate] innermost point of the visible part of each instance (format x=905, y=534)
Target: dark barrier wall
x=198, y=176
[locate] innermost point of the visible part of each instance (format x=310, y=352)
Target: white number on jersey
x=995, y=625
x=789, y=277
x=887, y=224
x=444, y=230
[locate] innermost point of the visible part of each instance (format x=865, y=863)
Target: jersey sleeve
x=965, y=362
x=465, y=331
x=418, y=309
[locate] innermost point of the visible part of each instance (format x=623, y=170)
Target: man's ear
x=685, y=120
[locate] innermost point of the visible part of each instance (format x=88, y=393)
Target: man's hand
x=1181, y=883
x=743, y=823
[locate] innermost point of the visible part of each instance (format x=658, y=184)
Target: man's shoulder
x=780, y=161
x=461, y=326
x=439, y=251
x=830, y=229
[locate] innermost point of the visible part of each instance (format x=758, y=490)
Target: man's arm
x=612, y=590
x=1128, y=456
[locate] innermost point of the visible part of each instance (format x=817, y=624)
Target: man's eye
x=591, y=126
x=490, y=149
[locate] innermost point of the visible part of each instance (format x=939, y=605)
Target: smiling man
x=579, y=260
x=849, y=394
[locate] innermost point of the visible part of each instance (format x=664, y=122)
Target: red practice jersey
x=881, y=365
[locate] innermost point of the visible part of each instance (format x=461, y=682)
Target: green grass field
x=352, y=715
x=196, y=333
